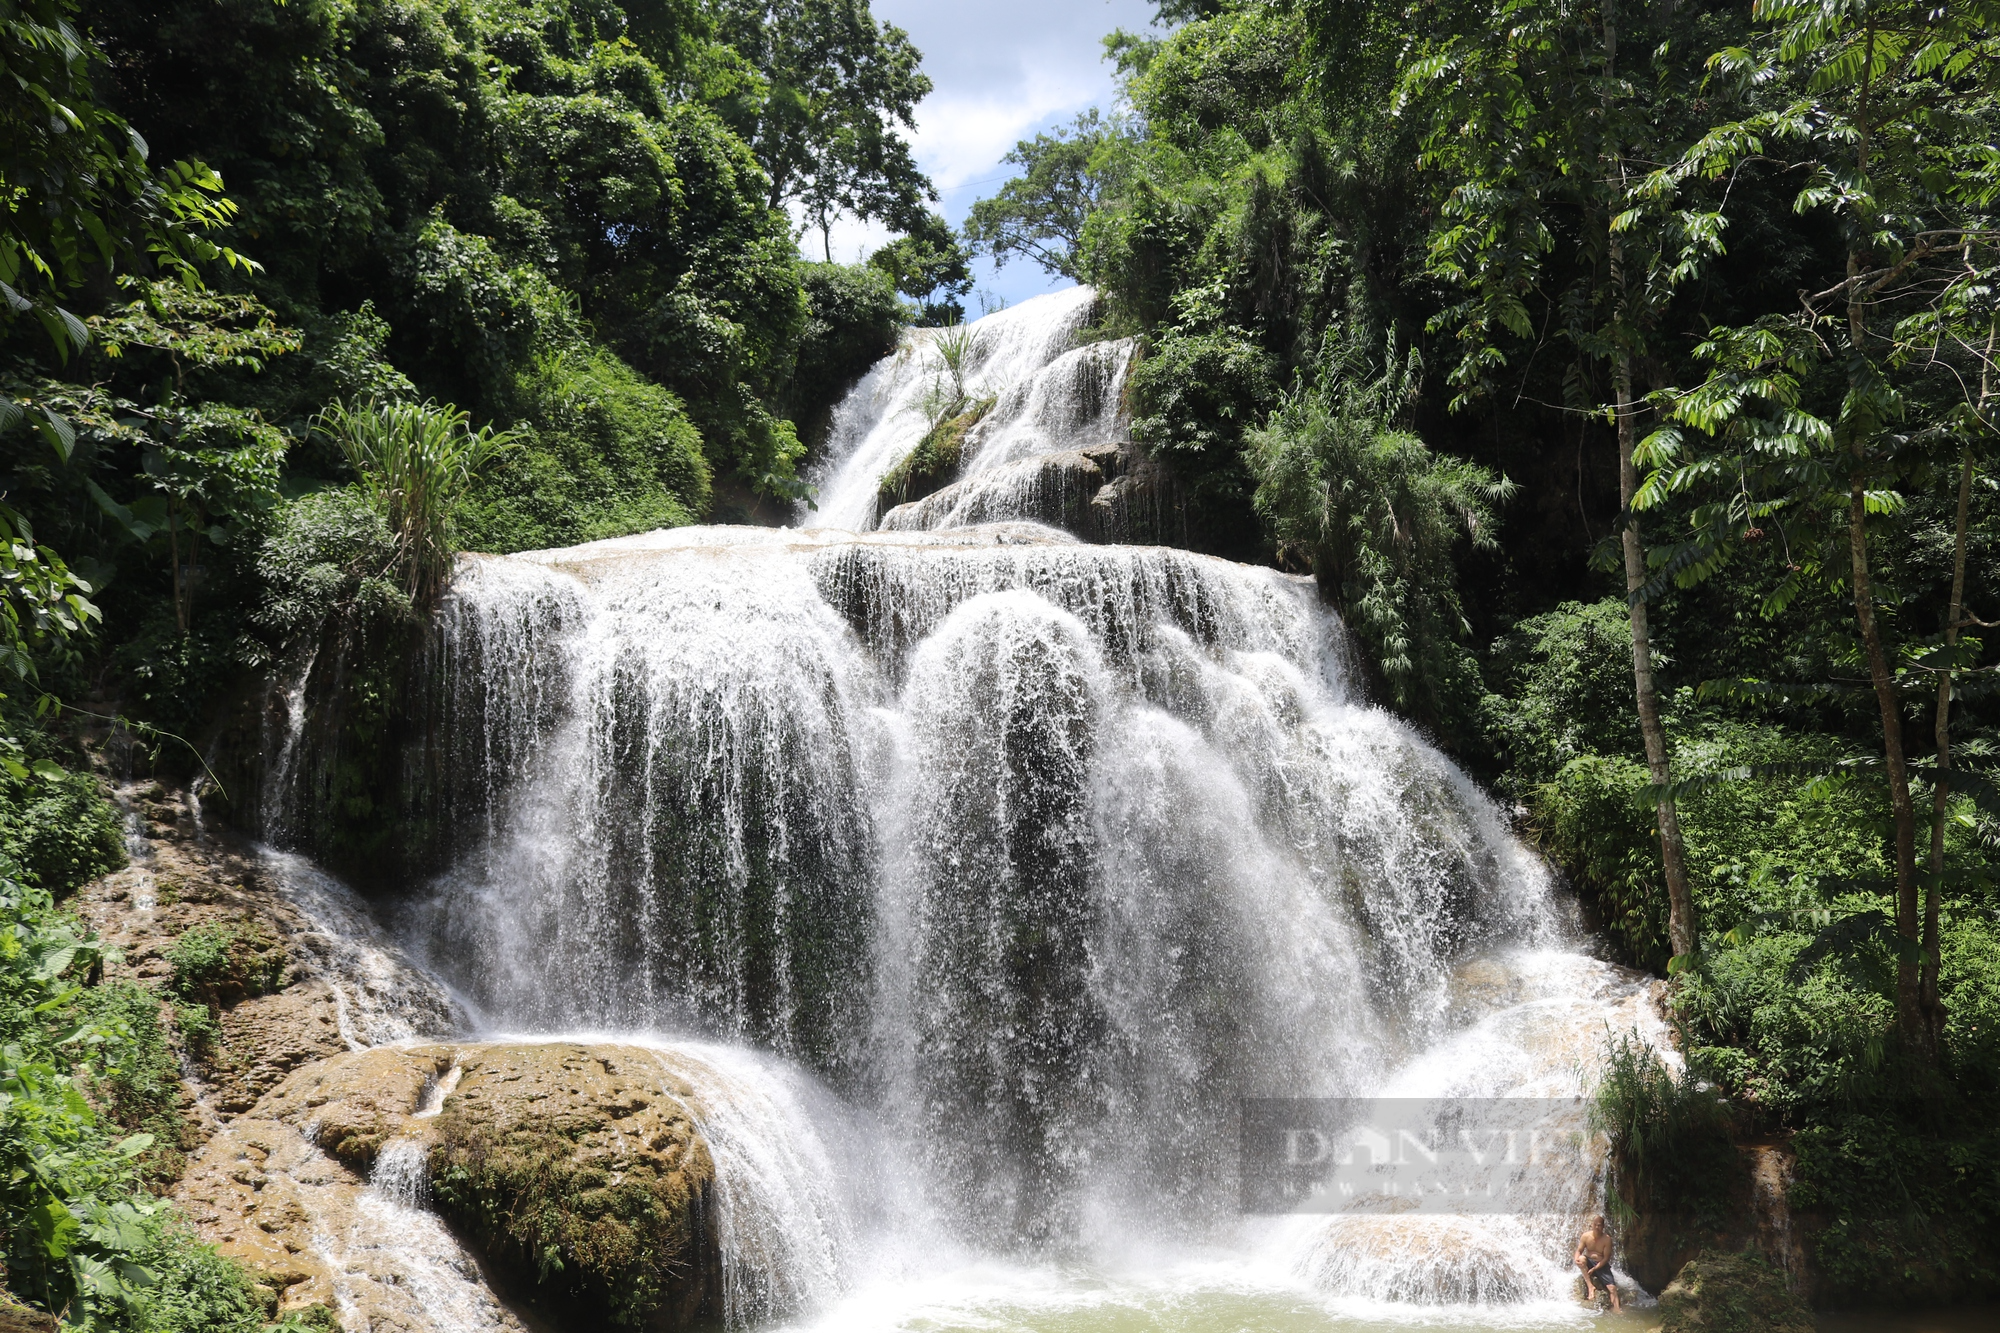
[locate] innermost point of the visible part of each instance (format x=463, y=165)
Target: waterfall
x=1039, y=854
x=973, y=875
x=1049, y=394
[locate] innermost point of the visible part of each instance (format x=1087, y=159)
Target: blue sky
x=1003, y=71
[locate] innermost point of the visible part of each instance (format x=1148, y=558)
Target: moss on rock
x=933, y=464
x=1731, y=1293
x=581, y=1168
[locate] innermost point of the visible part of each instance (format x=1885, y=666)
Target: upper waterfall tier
x=1050, y=395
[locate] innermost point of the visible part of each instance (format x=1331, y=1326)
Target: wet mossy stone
x=580, y=1171
x=1731, y=1293
x=933, y=464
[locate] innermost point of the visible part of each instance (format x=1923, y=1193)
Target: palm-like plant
x=1378, y=516
x=416, y=461
x=946, y=397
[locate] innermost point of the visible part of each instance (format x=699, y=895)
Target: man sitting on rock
x=1593, y=1258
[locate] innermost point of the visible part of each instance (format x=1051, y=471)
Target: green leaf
x=55, y=1226
x=58, y=432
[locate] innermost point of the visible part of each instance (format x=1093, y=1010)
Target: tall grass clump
x=946, y=396
x=416, y=461
x=1672, y=1150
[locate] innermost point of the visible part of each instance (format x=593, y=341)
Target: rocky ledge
x=572, y=1177
x=354, y=1158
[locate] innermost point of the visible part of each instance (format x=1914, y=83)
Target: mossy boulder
x=932, y=465
x=579, y=1168
x=574, y=1174
x=1731, y=1293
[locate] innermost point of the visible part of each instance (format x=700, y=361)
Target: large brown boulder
x=587, y=1154
x=573, y=1179
x=1731, y=1293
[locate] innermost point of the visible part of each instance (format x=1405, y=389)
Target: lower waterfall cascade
x=974, y=876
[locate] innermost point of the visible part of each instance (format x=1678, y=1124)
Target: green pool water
x=1027, y=1301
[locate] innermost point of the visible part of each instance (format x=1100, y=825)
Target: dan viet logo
x=1401, y=1155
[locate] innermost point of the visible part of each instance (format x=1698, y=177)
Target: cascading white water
x=1050, y=395
x=1041, y=855
x=971, y=875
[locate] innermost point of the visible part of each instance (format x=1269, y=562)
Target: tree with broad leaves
x=80, y=194
x=1888, y=120
x=838, y=85
x=931, y=268
x=1542, y=129
x=207, y=468
x=1039, y=214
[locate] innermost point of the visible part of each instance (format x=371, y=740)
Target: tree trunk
x=1928, y=995
x=174, y=554
x=1909, y=1008
x=1910, y=1025
x=1682, y=932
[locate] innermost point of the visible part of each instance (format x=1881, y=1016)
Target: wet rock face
x=1731, y=1293
x=584, y=1155
x=1656, y=1247
x=590, y=1153
x=289, y=986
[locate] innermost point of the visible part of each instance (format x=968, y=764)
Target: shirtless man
x=1593, y=1260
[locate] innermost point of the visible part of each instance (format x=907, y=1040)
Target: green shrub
x=326, y=553
x=78, y=1231
x=1802, y=1044
x=58, y=831
x=855, y=317
x=173, y=677
x=221, y=963
x=1769, y=844
x=140, y=1089
x=1195, y=395
x=196, y=1290
x=72, y=1220
x=934, y=463
x=1381, y=518
x=1907, y=1212
x=1589, y=822
x=1970, y=987
x=1565, y=681
x=1753, y=847
x=198, y=1028
x=1671, y=1138
x=602, y=452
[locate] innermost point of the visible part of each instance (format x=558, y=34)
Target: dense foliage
x=561, y=221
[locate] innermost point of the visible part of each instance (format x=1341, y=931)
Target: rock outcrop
x=1656, y=1247
x=573, y=1178
x=308, y=974
x=1731, y=1293
x=1110, y=493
